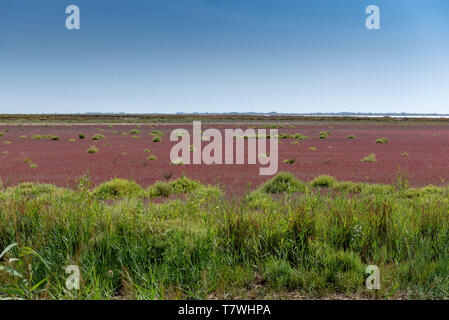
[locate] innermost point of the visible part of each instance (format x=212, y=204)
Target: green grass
x=92, y=149
x=289, y=161
x=370, y=158
x=156, y=139
x=312, y=149
x=201, y=244
x=323, y=181
x=382, y=140
x=351, y=137
x=82, y=136
x=97, y=137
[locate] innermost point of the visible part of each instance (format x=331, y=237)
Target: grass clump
x=324, y=134
x=156, y=139
x=323, y=181
x=97, y=137
x=283, y=182
x=351, y=137
x=82, y=136
x=184, y=185
x=312, y=149
x=370, y=158
x=160, y=189
x=300, y=137
x=289, y=161
x=156, y=133
x=117, y=188
x=152, y=157
x=404, y=154
x=92, y=149
x=134, y=131
x=146, y=151
x=55, y=138
x=382, y=140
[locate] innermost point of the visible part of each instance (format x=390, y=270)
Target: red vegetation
x=63, y=162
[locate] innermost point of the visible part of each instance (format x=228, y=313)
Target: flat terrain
x=419, y=150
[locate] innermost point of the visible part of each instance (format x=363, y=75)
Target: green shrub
x=156, y=139
x=370, y=158
x=152, y=157
x=323, y=181
x=382, y=140
x=92, y=149
x=348, y=186
x=184, y=185
x=279, y=274
x=299, y=136
x=283, y=182
x=289, y=160
x=156, y=133
x=134, y=131
x=82, y=136
x=160, y=189
x=312, y=149
x=55, y=138
x=97, y=137
x=117, y=188
x=351, y=136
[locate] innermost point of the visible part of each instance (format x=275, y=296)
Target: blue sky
x=167, y=56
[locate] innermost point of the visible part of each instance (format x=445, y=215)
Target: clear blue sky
x=224, y=55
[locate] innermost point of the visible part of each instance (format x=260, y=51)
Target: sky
x=168, y=56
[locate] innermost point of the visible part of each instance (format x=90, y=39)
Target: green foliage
x=370, y=158
x=351, y=136
x=117, y=188
x=289, y=161
x=323, y=181
x=283, y=182
x=382, y=140
x=97, y=137
x=92, y=149
x=82, y=136
x=156, y=139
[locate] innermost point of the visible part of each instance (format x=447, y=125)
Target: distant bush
x=33, y=165
x=117, y=188
x=152, y=157
x=146, y=151
x=92, y=149
x=23, y=137
x=382, y=140
x=370, y=158
x=283, y=182
x=160, y=189
x=7, y=142
x=295, y=143
x=348, y=186
x=312, y=149
x=404, y=154
x=72, y=140
x=82, y=136
x=184, y=185
x=2, y=134
x=289, y=160
x=156, y=133
x=55, y=138
x=324, y=134
x=134, y=131
x=351, y=136
x=299, y=136
x=156, y=139
x=323, y=181
x=97, y=137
